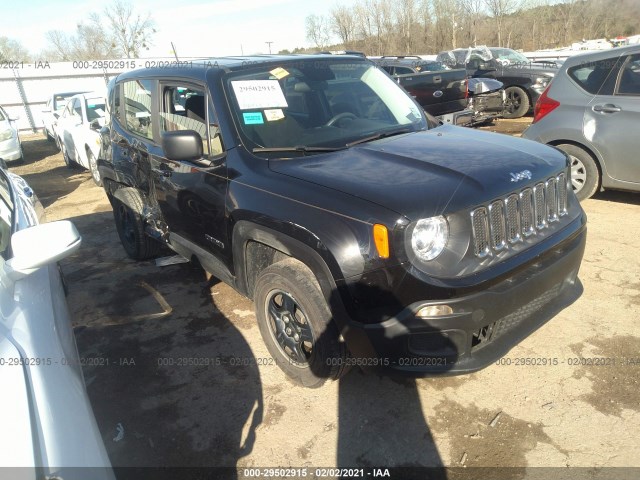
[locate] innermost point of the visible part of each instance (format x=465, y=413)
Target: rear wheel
x=130, y=226
x=296, y=324
x=517, y=103
x=585, y=176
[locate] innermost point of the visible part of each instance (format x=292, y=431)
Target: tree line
x=119, y=31
x=379, y=27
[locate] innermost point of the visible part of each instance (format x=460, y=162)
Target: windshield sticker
x=259, y=94
x=273, y=115
x=252, y=118
x=279, y=73
x=99, y=111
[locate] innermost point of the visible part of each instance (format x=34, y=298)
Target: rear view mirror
x=182, y=145
x=41, y=245
x=46, y=110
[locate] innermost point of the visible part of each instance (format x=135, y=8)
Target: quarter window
x=137, y=107
x=629, y=83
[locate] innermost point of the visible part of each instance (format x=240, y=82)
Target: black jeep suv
x=365, y=233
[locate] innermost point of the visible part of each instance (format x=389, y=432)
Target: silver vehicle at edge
x=48, y=426
x=591, y=111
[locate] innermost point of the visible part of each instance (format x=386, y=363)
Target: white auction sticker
x=259, y=94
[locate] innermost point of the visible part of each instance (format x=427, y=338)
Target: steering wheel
x=339, y=117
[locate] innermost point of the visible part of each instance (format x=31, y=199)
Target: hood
x=428, y=173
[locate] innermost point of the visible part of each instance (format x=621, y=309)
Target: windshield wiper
x=297, y=148
x=378, y=136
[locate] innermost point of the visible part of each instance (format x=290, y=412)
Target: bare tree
x=131, y=31
x=317, y=30
x=499, y=9
x=343, y=24
x=13, y=51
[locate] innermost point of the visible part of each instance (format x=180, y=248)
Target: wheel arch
x=596, y=158
x=256, y=246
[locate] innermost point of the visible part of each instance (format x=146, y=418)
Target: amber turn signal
x=381, y=239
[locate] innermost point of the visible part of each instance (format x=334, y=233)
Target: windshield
x=318, y=103
x=60, y=101
x=2, y=118
x=95, y=108
x=508, y=56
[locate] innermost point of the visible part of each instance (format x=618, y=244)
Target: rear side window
x=629, y=83
x=596, y=78
x=137, y=107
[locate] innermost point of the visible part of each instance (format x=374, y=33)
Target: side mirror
x=15, y=118
x=182, y=145
x=41, y=245
x=95, y=124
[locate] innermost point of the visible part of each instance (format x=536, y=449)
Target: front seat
x=194, y=107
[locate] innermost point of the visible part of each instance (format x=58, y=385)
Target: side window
x=596, y=78
x=137, y=107
x=184, y=107
x=66, y=113
x=629, y=83
x=6, y=217
x=403, y=71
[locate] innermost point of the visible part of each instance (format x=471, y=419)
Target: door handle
x=607, y=108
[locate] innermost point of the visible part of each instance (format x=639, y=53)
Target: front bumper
x=10, y=149
x=484, y=325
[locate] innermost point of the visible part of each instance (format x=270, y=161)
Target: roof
x=199, y=68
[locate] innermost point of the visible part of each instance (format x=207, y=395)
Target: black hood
x=428, y=173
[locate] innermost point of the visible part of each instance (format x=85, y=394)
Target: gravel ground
x=138, y=325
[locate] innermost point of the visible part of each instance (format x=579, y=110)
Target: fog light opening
x=434, y=311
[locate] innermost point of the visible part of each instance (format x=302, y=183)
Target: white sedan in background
x=55, y=104
x=48, y=426
x=78, y=131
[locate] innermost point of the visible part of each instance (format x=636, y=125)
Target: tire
x=65, y=156
x=93, y=168
x=130, y=226
x=585, y=175
x=518, y=103
x=289, y=302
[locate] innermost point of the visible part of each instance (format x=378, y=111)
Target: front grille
x=519, y=215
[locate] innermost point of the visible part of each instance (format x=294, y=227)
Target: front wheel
x=297, y=326
x=585, y=176
x=93, y=168
x=517, y=103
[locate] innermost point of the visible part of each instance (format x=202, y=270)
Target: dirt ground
x=178, y=374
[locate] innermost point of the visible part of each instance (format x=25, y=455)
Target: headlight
x=429, y=237
x=542, y=82
x=6, y=135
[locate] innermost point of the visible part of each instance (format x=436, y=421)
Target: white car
x=78, y=131
x=52, y=111
x=10, y=146
x=48, y=426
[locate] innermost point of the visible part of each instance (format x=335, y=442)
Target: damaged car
x=523, y=80
x=365, y=233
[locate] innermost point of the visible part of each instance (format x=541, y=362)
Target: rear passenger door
x=612, y=119
x=192, y=194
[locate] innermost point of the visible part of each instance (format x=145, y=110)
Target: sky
x=196, y=27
